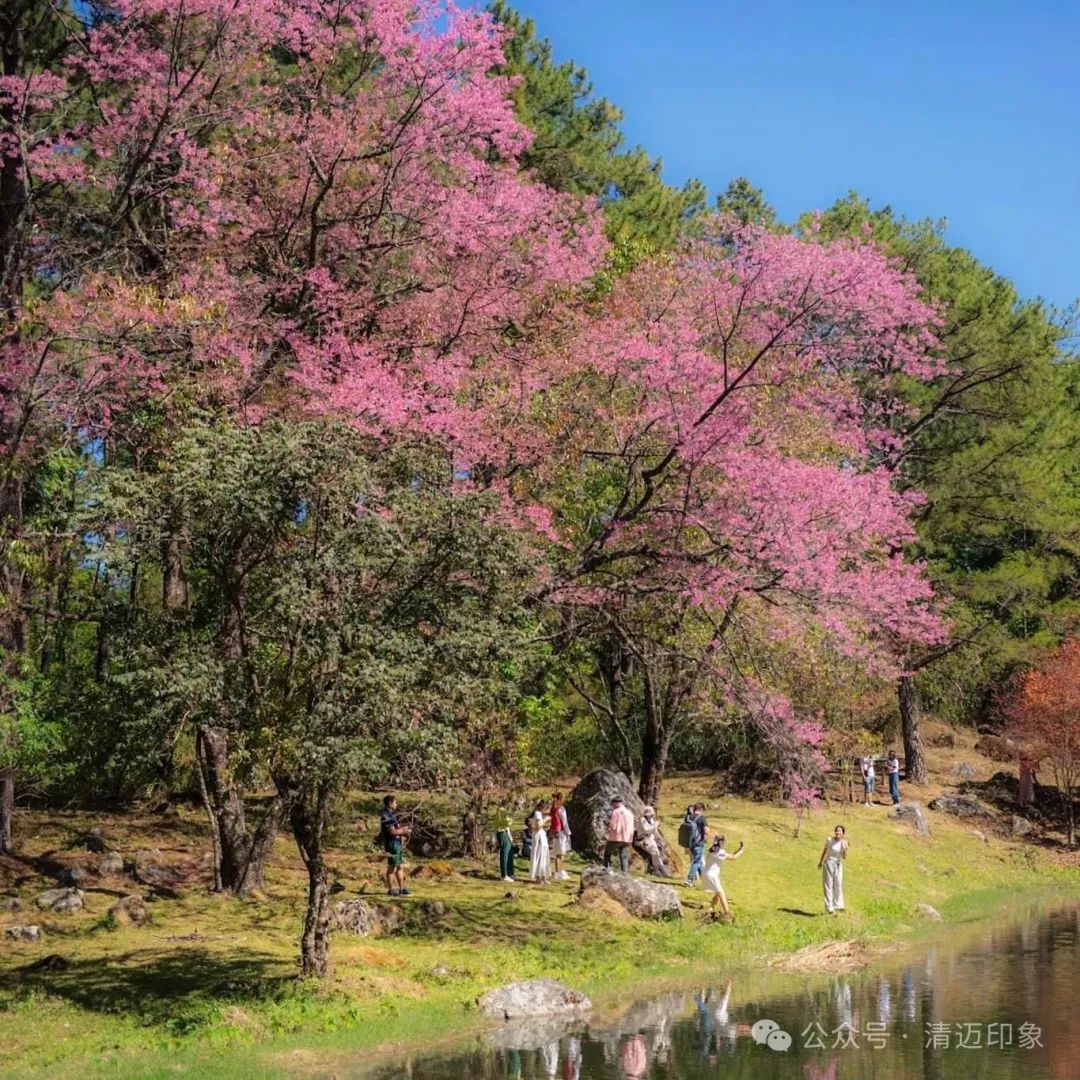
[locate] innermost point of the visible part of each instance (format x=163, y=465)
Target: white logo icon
x=768, y=1033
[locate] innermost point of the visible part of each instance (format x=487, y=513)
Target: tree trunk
x=308, y=818
x=7, y=808
x=472, y=828
x=914, y=760
x=655, y=744
x=174, y=581
x=240, y=854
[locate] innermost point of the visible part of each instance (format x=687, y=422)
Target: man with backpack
x=693, y=830
x=392, y=837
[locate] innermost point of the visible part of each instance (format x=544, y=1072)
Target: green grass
x=209, y=989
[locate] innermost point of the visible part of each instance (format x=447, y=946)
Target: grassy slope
x=210, y=973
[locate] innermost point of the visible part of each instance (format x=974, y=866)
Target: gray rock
x=1021, y=826
x=589, y=809
x=111, y=863
x=928, y=911
x=130, y=911
x=11, y=903
x=156, y=874
x=75, y=875
x=535, y=997
x=645, y=899
x=962, y=806
x=366, y=919
x=912, y=813
x=60, y=900
x=94, y=841
x=435, y=909
x=980, y=835
x=964, y=771
x=23, y=933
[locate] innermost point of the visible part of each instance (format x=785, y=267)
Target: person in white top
x=831, y=865
x=868, y=777
x=714, y=859
x=540, y=865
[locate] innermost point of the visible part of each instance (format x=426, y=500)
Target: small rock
x=94, y=841
x=52, y=962
x=510, y=895
x=963, y=806
x=23, y=933
x=130, y=911
x=60, y=900
x=980, y=835
x=111, y=863
x=928, y=911
x=11, y=903
x=364, y=918
x=440, y=971
x=1021, y=826
x=964, y=771
x=535, y=997
x=75, y=875
x=912, y=813
x=435, y=908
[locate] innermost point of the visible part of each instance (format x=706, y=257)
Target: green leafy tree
x=992, y=444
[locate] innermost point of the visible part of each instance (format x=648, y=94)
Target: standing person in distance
x=560, y=836
x=393, y=834
x=620, y=835
x=831, y=865
x=540, y=862
x=504, y=835
x=697, y=846
x=892, y=770
x=866, y=767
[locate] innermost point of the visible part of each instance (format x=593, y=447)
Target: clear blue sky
x=959, y=109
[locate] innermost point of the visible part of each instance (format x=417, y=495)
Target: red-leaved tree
x=1044, y=719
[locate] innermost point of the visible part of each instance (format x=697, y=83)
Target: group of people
x=869, y=777
x=547, y=842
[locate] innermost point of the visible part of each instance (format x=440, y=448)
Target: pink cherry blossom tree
x=733, y=466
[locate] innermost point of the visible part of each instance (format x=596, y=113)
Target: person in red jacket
x=560, y=835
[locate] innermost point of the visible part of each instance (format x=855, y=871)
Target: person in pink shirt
x=620, y=835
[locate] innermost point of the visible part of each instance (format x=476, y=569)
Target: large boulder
x=535, y=997
x=589, y=809
x=961, y=806
x=912, y=813
x=645, y=899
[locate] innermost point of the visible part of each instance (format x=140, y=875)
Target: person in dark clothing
x=392, y=834
x=697, y=845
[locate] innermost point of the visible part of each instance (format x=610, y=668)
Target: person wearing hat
x=646, y=841
x=620, y=835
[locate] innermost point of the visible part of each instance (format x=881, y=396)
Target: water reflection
x=943, y=1017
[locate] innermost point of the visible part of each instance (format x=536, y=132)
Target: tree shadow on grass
x=177, y=989
x=799, y=911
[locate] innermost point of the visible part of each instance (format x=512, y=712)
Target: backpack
x=687, y=834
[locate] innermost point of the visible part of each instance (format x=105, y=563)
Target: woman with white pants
x=831, y=864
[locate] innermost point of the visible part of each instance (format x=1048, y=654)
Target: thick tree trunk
x=914, y=759
x=240, y=854
x=174, y=581
x=655, y=744
x=472, y=830
x=7, y=808
x=308, y=818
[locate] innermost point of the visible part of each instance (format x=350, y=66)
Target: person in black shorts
x=392, y=834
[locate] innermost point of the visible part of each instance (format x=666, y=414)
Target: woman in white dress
x=714, y=859
x=540, y=866
x=831, y=864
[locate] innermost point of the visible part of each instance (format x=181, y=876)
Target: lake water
x=996, y=1003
